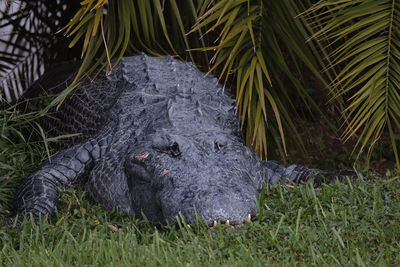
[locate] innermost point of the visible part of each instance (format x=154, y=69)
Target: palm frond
x=363, y=36
x=249, y=45
x=111, y=29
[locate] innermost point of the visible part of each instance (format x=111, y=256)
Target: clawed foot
x=12, y=222
x=16, y=221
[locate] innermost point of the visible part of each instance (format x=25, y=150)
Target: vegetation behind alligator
x=158, y=137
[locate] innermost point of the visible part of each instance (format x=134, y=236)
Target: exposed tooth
x=248, y=218
x=215, y=224
x=227, y=222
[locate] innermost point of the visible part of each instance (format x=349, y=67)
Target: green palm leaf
x=364, y=42
x=248, y=45
x=155, y=27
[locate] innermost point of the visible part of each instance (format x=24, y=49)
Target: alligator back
x=97, y=102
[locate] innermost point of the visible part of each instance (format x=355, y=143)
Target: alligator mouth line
x=227, y=223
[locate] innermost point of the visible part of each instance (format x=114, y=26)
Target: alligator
x=161, y=139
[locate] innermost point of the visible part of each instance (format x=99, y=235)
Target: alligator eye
x=174, y=149
x=217, y=147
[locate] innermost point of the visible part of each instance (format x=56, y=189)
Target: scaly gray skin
x=159, y=137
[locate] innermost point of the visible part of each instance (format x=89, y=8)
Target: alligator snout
x=222, y=209
x=215, y=200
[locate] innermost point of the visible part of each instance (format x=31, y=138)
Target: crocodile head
x=193, y=164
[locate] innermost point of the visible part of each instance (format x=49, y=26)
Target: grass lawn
x=353, y=223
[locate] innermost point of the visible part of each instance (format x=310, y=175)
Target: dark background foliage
x=29, y=44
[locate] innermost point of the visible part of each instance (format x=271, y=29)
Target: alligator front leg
x=276, y=172
x=38, y=194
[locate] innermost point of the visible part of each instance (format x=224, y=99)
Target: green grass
x=353, y=223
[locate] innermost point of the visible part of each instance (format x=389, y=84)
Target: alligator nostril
x=175, y=151
x=217, y=146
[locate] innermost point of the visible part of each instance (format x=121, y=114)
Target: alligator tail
x=276, y=172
